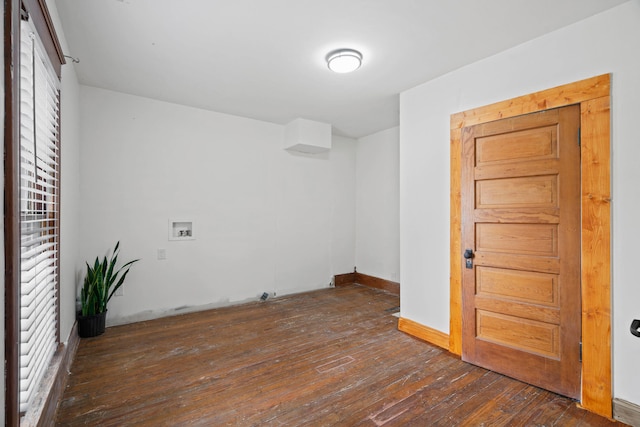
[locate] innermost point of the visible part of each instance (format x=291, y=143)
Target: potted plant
x=103, y=279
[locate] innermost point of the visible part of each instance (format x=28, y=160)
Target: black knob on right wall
x=635, y=327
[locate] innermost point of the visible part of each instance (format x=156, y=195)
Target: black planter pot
x=91, y=326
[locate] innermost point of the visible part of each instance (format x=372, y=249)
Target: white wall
x=606, y=43
x=264, y=219
x=377, y=205
x=70, y=263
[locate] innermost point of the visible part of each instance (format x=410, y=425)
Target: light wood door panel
x=521, y=216
x=518, y=333
x=517, y=262
x=530, y=144
x=517, y=285
x=535, y=191
x=523, y=239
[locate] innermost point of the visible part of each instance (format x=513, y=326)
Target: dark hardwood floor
x=330, y=357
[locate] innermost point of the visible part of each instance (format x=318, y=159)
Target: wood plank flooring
x=323, y=358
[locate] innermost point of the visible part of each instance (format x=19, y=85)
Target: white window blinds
x=39, y=213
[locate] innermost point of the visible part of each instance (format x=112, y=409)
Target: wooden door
x=521, y=220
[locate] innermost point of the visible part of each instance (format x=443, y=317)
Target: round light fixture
x=344, y=60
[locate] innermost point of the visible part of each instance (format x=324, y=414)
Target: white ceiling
x=264, y=59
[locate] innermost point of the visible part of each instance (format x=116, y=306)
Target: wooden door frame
x=593, y=96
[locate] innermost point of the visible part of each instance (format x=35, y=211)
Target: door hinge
x=580, y=351
x=579, y=136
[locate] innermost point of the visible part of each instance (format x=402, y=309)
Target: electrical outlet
x=162, y=253
x=119, y=292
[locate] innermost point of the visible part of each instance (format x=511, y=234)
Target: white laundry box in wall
x=181, y=229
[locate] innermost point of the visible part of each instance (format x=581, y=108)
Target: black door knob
x=468, y=253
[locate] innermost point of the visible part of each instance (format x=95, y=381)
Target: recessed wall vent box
x=181, y=230
x=307, y=136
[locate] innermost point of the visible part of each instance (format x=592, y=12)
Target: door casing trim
x=593, y=96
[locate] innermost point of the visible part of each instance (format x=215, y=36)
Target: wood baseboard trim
x=378, y=283
x=626, y=412
x=61, y=376
x=53, y=384
x=424, y=333
x=366, y=280
x=344, y=279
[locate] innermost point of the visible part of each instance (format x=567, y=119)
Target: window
x=39, y=212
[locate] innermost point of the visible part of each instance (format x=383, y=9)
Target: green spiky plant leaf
x=103, y=279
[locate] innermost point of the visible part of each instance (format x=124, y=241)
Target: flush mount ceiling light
x=344, y=60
